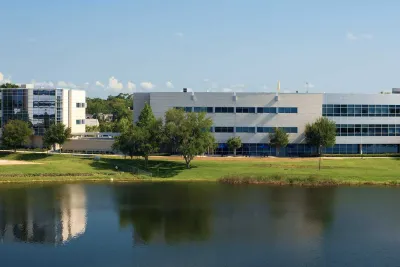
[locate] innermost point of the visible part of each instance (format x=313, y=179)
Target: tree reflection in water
x=165, y=212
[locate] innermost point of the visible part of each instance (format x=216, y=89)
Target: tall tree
x=279, y=138
x=16, y=133
x=321, y=134
x=190, y=132
x=128, y=142
x=146, y=116
x=8, y=85
x=56, y=134
x=149, y=139
x=234, y=143
x=122, y=125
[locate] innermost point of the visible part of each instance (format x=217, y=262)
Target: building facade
x=366, y=123
x=43, y=107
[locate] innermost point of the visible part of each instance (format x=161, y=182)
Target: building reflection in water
x=49, y=215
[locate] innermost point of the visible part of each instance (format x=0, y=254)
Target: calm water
x=198, y=225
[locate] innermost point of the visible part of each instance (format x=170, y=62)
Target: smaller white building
x=42, y=107
x=92, y=122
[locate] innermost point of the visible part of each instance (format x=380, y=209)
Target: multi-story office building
x=43, y=107
x=366, y=123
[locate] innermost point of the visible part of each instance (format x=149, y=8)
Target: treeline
x=185, y=133
x=188, y=134
x=111, y=112
x=17, y=133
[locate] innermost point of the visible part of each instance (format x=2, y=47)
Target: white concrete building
x=43, y=107
x=368, y=123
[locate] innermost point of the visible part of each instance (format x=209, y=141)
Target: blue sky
x=144, y=45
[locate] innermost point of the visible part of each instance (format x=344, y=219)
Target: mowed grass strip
x=340, y=171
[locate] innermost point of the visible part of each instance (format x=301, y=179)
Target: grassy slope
x=351, y=170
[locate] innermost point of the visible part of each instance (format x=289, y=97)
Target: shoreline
x=228, y=180
x=60, y=168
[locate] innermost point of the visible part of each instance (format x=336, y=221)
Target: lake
x=198, y=224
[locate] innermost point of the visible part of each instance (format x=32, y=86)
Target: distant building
x=43, y=107
x=365, y=123
x=92, y=122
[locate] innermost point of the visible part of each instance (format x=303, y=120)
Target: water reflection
x=164, y=212
x=52, y=215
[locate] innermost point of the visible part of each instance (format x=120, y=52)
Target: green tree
x=279, y=138
x=122, y=125
x=8, y=85
x=16, y=133
x=128, y=142
x=93, y=128
x=321, y=134
x=56, y=134
x=234, y=143
x=106, y=127
x=190, y=132
x=146, y=116
x=149, y=139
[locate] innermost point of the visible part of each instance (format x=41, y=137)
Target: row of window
x=80, y=105
x=241, y=109
x=368, y=129
x=250, y=149
x=253, y=129
x=44, y=103
x=272, y=129
x=80, y=122
x=361, y=110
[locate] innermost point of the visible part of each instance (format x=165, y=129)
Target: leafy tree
x=8, y=85
x=128, y=141
x=56, y=134
x=149, y=138
x=106, y=126
x=173, y=119
x=93, y=128
x=321, y=134
x=122, y=125
x=279, y=138
x=16, y=133
x=146, y=116
x=234, y=143
x=189, y=132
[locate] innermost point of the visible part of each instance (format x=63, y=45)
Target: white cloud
x=206, y=80
x=354, y=37
x=62, y=84
x=66, y=85
x=350, y=36
x=169, y=85
x=131, y=86
x=99, y=84
x=47, y=84
x=179, y=34
x=226, y=90
x=147, y=85
x=3, y=79
x=114, y=84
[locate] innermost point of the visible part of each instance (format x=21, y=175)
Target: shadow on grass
x=31, y=157
x=23, y=156
x=158, y=168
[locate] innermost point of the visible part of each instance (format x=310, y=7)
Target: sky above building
x=113, y=46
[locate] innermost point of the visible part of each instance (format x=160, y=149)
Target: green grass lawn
x=59, y=167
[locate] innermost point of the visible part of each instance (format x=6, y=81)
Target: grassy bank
x=227, y=170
